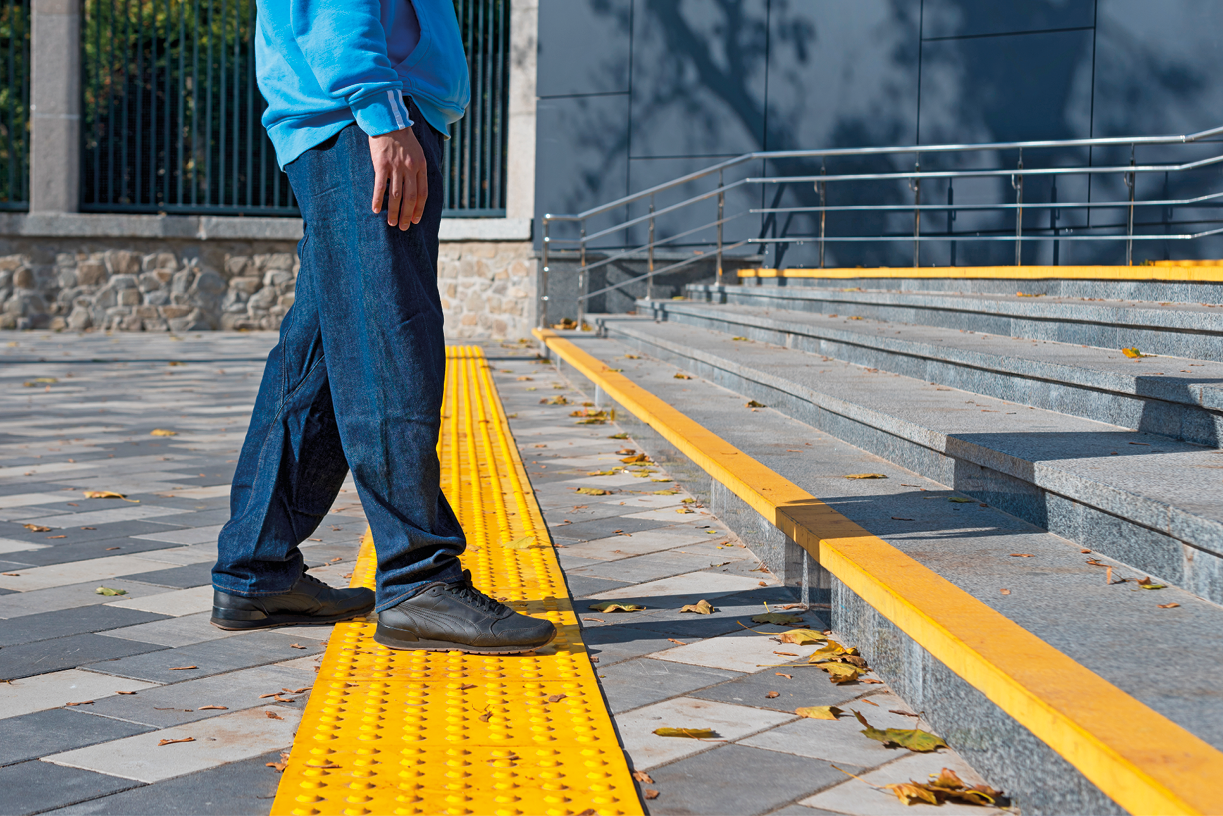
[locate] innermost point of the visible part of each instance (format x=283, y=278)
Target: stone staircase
x=1029, y=461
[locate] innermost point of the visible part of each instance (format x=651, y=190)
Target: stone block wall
x=487, y=287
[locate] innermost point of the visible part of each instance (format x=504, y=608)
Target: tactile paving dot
x=442, y=732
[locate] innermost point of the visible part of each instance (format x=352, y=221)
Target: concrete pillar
x=55, y=97
x=520, y=171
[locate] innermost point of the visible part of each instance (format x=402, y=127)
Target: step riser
x=1153, y=291
x=1103, y=334
x=1189, y=423
x=1146, y=537
x=990, y=739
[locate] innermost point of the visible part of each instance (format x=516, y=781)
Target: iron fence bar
x=1031, y=205
x=582, y=279
x=915, y=186
x=951, y=215
x=634, y=250
x=721, y=208
x=542, y=303
x=1131, y=183
x=823, y=212
x=965, y=236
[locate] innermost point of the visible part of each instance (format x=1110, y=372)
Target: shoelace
x=465, y=590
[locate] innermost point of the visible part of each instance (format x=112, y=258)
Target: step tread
x=1156, y=482
x=1088, y=366
x=1055, y=595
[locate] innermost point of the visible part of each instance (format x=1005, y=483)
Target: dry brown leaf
x=213, y=708
x=182, y=668
x=754, y=404
x=701, y=607
x=592, y=491
x=650, y=793
x=872, y=681
x=612, y=606
x=272, y=715
x=36, y=528
x=866, y=476
x=634, y=459
x=802, y=637
x=689, y=733
x=839, y=674
x=642, y=776
x=282, y=764
x=83, y=702
x=554, y=698
x=173, y=741
x=297, y=646
x=679, y=642
x=108, y=494
x=1168, y=605
x=772, y=694
x=125, y=692
x=786, y=654
x=1022, y=555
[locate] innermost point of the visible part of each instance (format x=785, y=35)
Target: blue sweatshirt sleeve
x=344, y=43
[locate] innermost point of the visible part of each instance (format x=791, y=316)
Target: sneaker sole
x=391, y=642
x=274, y=621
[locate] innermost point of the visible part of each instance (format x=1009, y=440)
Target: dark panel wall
x=635, y=92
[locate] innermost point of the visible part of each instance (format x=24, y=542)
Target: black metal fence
x=171, y=114
x=14, y=104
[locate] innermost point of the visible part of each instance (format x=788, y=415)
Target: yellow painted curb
x=403, y=732
x=1145, y=762
x=1185, y=272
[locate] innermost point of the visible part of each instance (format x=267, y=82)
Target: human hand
x=400, y=162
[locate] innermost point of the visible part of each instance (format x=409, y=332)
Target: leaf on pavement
x=667, y=492
x=108, y=591
x=960, y=500
x=1168, y=606
x=1147, y=583
x=602, y=472
x=272, y=715
x=1133, y=353
x=802, y=637
x=947, y=786
x=680, y=376
x=524, y=543
x=689, y=733
x=909, y=793
x=282, y=764
x=819, y=712
x=213, y=708
x=639, y=457
x=593, y=491
x=839, y=673
x=701, y=607
x=915, y=740
x=777, y=618
x=162, y=432
x=172, y=741
x=650, y=793
x=108, y=494
x=36, y=528
x=773, y=694
x=866, y=476
x=612, y=606
x=642, y=776
x=37, y=381
x=620, y=435
x=754, y=404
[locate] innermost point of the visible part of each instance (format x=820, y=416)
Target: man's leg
x=380, y=317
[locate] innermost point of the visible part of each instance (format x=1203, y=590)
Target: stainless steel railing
x=582, y=244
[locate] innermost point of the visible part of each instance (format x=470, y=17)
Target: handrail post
x=915, y=186
x=1017, y=183
x=582, y=287
x=543, y=277
x=1131, y=182
x=1055, y=215
x=649, y=282
x=721, y=208
x=951, y=215
x=823, y=214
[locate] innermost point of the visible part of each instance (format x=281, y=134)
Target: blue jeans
x=355, y=382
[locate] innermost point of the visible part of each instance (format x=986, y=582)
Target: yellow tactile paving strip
x=1148, y=764
x=397, y=732
x=1192, y=272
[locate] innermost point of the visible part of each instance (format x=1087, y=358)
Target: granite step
x=1051, y=592
x=1170, y=396
x=1149, y=501
x=1177, y=329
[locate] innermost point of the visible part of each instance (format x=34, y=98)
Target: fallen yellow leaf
x=612, y=606
x=108, y=494
x=915, y=740
x=690, y=733
x=162, y=432
x=1133, y=353
x=754, y=404
x=701, y=607
x=866, y=476
x=819, y=712
x=108, y=591
x=802, y=637
x=524, y=543
x=592, y=491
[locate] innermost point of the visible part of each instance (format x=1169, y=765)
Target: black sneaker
x=459, y=617
x=310, y=601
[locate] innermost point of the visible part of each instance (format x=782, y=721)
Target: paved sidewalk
x=71, y=742
x=68, y=732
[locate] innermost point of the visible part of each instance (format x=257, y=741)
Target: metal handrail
x=913, y=177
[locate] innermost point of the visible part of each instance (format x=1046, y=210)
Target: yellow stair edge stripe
x=1187, y=272
x=1141, y=759
x=415, y=732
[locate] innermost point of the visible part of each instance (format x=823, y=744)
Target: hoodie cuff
x=381, y=112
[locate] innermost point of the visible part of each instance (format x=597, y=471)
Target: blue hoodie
x=322, y=64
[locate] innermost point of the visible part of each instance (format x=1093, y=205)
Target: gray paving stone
x=646, y=567
x=212, y=657
x=191, y=575
x=604, y=527
x=58, y=729
x=243, y=788
x=803, y=810
x=44, y=656
x=33, y=787
x=63, y=552
x=615, y=642
x=47, y=625
x=71, y=595
x=117, y=529
x=581, y=586
x=634, y=683
x=178, y=703
x=808, y=687
x=737, y=779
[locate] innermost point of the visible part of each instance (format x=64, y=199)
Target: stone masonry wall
x=62, y=284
